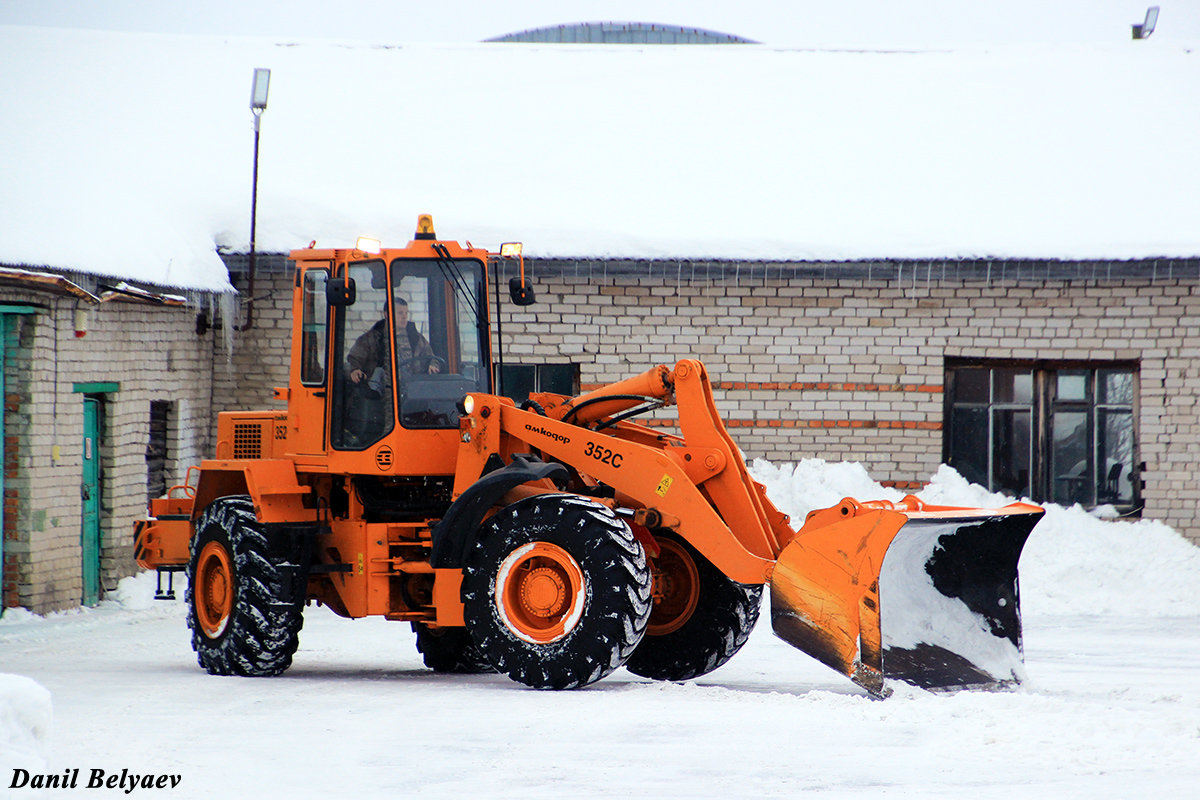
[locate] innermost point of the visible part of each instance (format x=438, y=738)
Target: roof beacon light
x=372, y=246
x=425, y=227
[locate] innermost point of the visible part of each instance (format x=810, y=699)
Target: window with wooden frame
x=1061, y=432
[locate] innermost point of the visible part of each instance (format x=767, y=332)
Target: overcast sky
x=871, y=24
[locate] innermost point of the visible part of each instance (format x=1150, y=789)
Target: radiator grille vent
x=247, y=440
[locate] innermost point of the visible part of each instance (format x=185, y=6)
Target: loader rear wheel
x=556, y=591
x=449, y=650
x=238, y=627
x=700, y=618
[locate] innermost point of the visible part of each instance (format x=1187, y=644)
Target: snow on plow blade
x=922, y=594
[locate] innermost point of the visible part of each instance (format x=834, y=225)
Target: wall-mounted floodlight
x=1144, y=30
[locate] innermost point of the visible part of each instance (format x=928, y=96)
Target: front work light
x=510, y=250
x=372, y=246
x=469, y=404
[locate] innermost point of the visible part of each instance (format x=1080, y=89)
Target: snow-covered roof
x=130, y=154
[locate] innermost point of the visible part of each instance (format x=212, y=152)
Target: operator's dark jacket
x=371, y=351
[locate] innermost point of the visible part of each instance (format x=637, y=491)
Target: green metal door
x=90, y=491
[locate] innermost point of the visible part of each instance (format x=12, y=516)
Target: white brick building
x=128, y=360
x=856, y=361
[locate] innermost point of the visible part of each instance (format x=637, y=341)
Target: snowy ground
x=1111, y=708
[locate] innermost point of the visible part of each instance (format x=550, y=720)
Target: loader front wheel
x=700, y=617
x=556, y=591
x=238, y=627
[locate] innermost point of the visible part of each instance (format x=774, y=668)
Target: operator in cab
x=414, y=354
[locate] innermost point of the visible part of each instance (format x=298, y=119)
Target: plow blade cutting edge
x=923, y=594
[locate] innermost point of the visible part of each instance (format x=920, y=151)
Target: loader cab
x=403, y=340
x=407, y=350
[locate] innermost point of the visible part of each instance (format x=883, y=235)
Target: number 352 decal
x=603, y=455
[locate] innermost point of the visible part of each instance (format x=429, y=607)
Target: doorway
x=90, y=492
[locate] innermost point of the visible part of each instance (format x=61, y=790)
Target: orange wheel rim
x=214, y=589
x=676, y=588
x=540, y=592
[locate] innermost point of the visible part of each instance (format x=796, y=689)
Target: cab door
x=307, y=400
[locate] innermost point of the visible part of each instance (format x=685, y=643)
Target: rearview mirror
x=521, y=291
x=340, y=292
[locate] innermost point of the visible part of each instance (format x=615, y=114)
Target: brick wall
x=153, y=353
x=245, y=375
x=816, y=368
x=840, y=370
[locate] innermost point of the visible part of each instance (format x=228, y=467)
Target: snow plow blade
x=928, y=595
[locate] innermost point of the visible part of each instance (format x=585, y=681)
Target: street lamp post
x=258, y=104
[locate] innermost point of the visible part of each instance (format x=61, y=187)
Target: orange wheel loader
x=555, y=541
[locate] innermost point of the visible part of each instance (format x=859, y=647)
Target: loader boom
x=695, y=485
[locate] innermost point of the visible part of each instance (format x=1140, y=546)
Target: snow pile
x=25, y=717
x=1073, y=563
x=137, y=592
x=16, y=616
x=813, y=483
x=133, y=594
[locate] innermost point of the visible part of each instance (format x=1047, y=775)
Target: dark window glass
x=362, y=409
x=972, y=385
x=969, y=432
x=313, y=341
x=520, y=380
x=1114, y=386
x=1012, y=386
x=1011, y=441
x=1114, y=455
x=157, y=460
x=438, y=342
x=1069, y=459
x=557, y=378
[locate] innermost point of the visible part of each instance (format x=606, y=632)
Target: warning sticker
x=663, y=486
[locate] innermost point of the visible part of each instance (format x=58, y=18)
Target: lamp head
x=258, y=94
